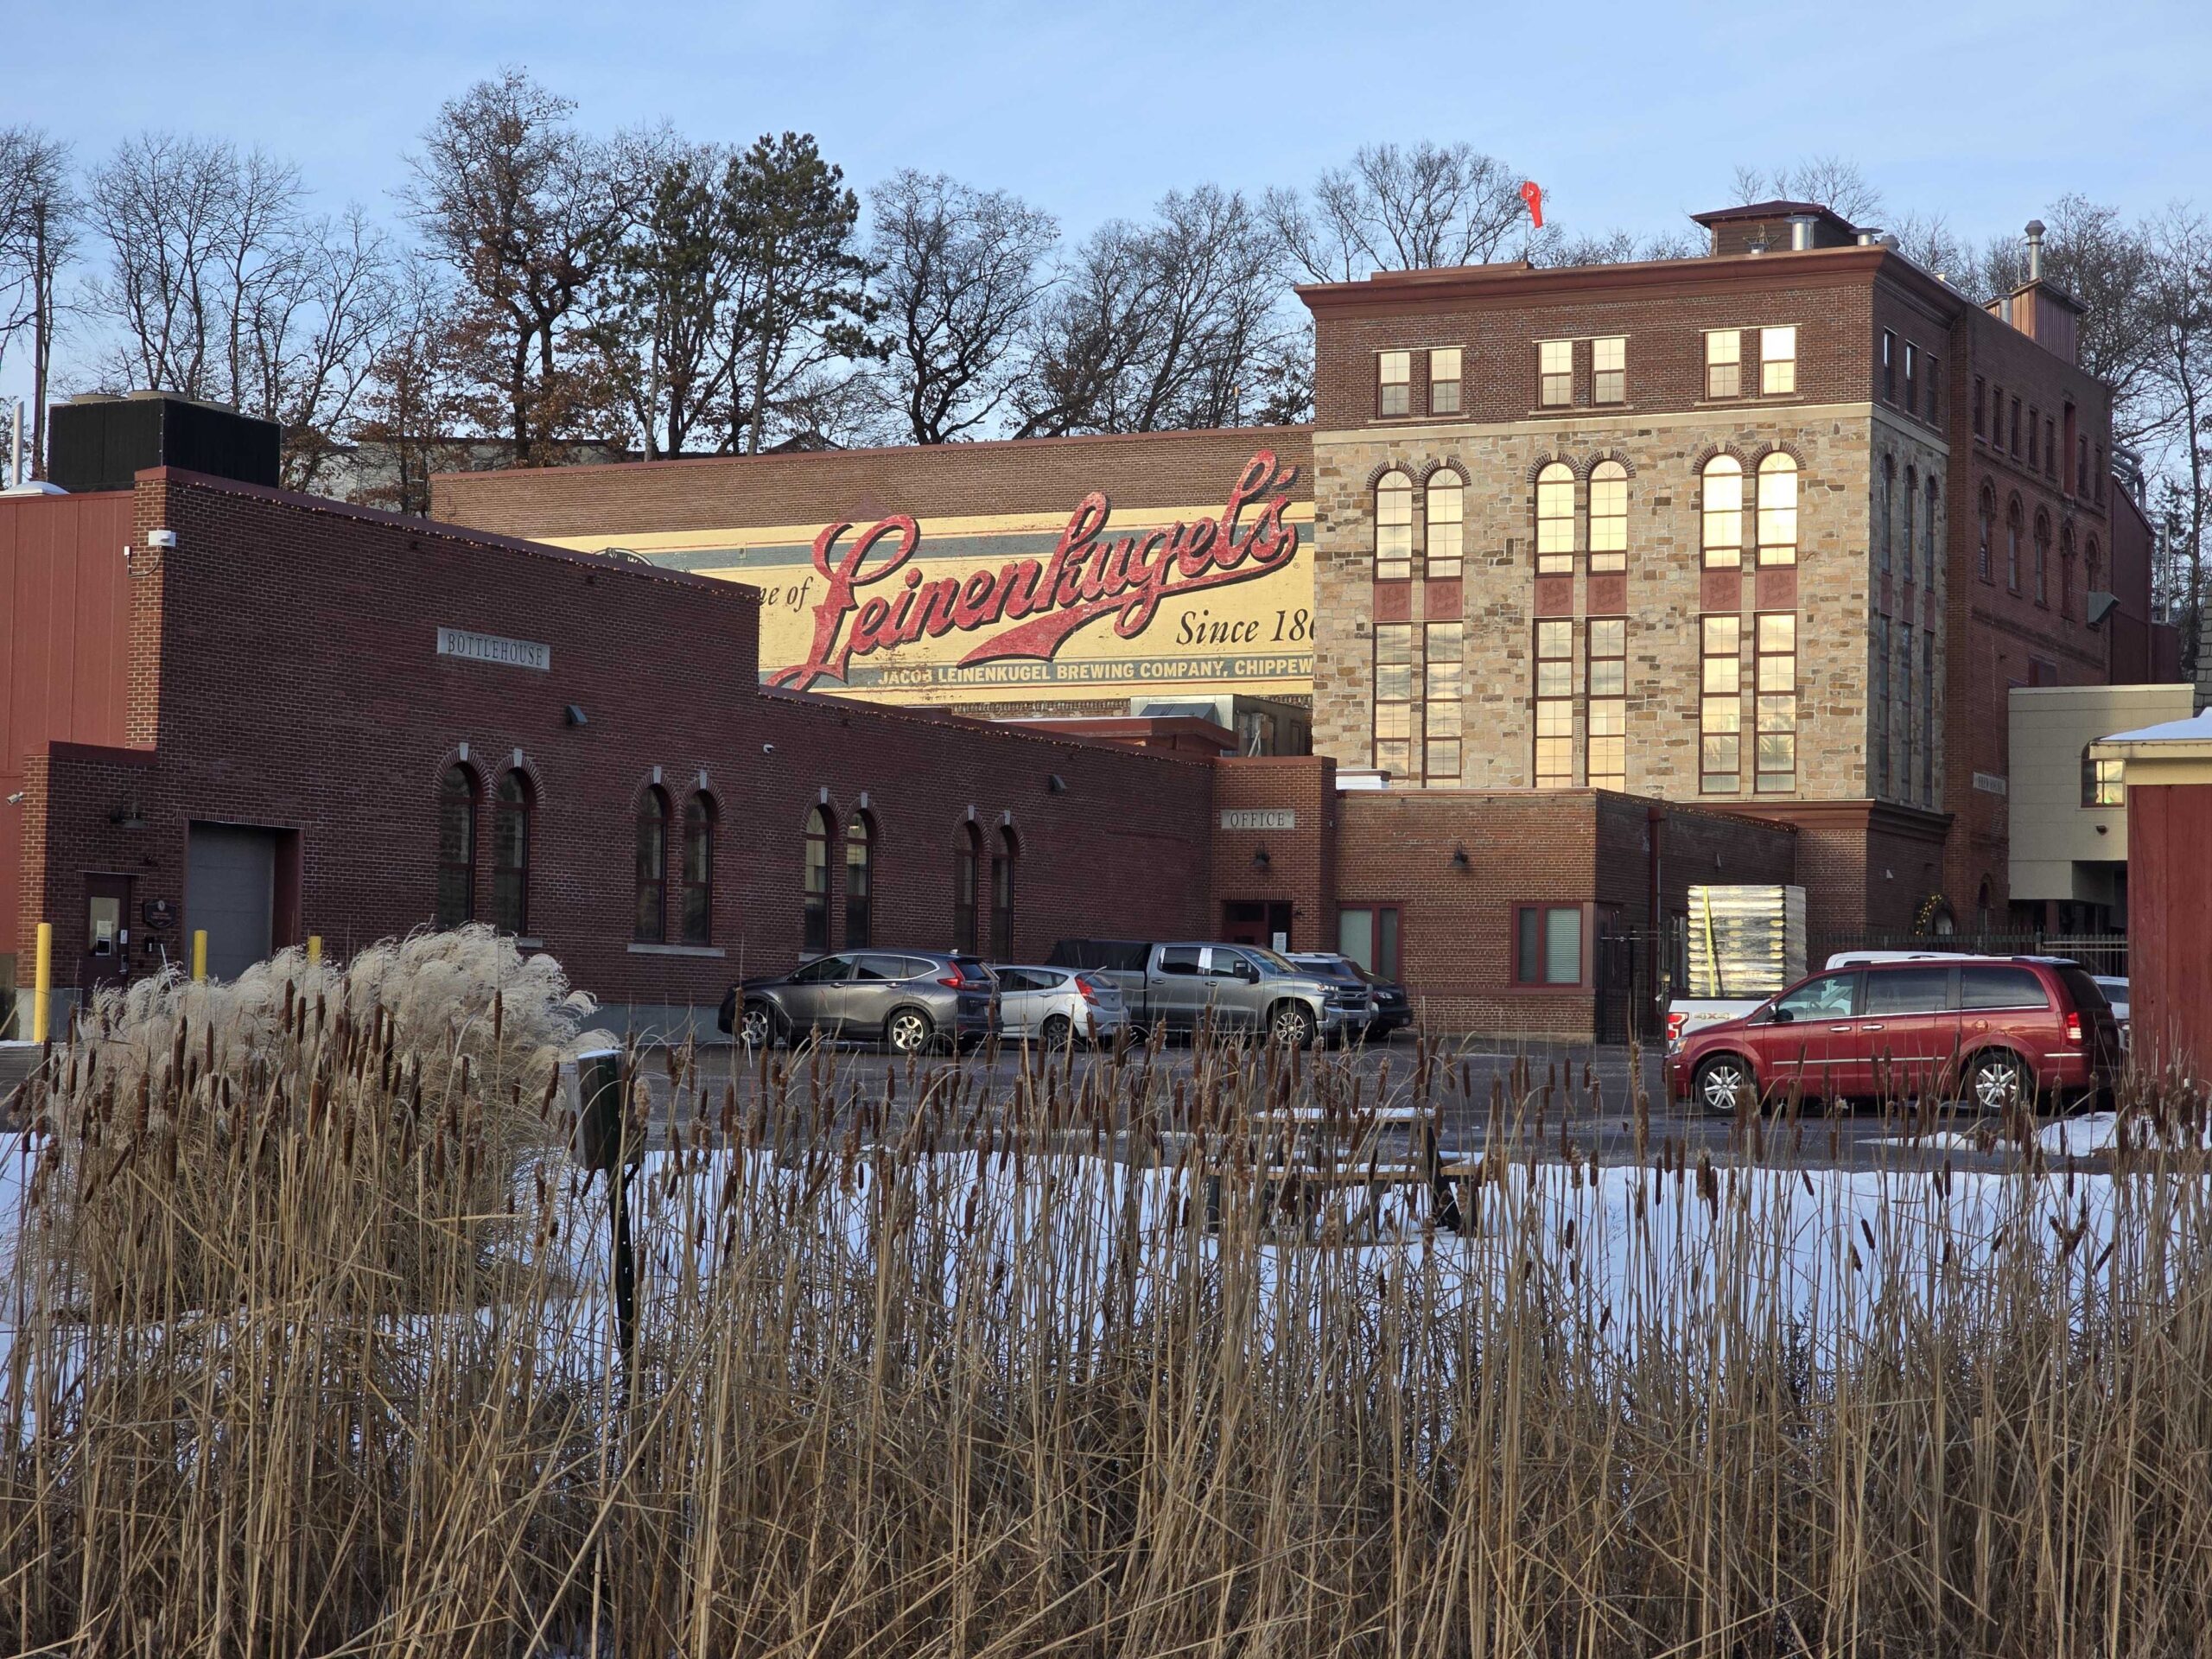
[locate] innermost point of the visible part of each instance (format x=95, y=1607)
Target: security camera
x=767, y=748
x=16, y=800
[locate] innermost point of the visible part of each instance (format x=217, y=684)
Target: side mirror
x=1246, y=972
x=1782, y=1016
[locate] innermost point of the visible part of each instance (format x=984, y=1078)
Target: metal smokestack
x=2035, y=249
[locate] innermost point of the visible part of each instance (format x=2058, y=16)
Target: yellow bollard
x=42, y=982
x=198, y=955
x=314, y=949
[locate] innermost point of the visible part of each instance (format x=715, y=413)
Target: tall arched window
x=649, y=913
x=699, y=869
x=1445, y=507
x=1911, y=519
x=1777, y=509
x=814, y=896
x=1555, y=521
x=2066, y=572
x=1884, y=509
x=2042, y=558
x=1003, y=851
x=456, y=847
x=1723, y=512
x=2091, y=569
x=967, y=880
x=2012, y=545
x=510, y=836
x=1609, y=515
x=1986, y=558
x=860, y=882
x=1394, y=527
x=1929, y=516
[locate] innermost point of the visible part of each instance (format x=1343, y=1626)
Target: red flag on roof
x=1533, y=193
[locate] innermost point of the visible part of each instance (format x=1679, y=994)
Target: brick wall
x=1302, y=866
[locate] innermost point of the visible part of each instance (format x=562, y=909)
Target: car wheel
x=1723, y=1084
x=1056, y=1031
x=1996, y=1082
x=1292, y=1025
x=758, y=1029
x=909, y=1032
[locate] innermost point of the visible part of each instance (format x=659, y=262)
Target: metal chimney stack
x=2035, y=249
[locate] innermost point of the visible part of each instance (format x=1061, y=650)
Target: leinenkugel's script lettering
x=1090, y=575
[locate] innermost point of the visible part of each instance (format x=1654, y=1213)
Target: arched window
x=1777, y=509
x=1444, y=524
x=2042, y=558
x=2012, y=545
x=814, y=897
x=860, y=882
x=456, y=847
x=2092, y=569
x=1927, y=522
x=649, y=915
x=1911, y=519
x=966, y=879
x=510, y=836
x=2066, y=572
x=1003, y=851
x=1884, y=508
x=1609, y=515
x=699, y=869
x=1723, y=513
x=1394, y=527
x=1986, y=556
x=1555, y=521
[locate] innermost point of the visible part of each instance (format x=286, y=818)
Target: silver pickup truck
x=1240, y=987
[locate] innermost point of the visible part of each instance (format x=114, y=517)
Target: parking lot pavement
x=1564, y=1102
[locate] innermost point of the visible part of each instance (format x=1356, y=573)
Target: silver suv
x=914, y=1001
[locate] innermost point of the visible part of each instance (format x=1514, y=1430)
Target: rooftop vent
x=98, y=442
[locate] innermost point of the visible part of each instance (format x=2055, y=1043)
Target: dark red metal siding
x=65, y=612
x=2169, y=923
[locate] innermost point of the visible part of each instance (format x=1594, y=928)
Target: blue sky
x=1631, y=116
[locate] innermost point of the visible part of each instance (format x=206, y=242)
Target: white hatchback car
x=1050, y=1005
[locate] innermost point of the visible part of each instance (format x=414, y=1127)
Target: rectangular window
x=1928, y=718
x=1606, y=749
x=1776, y=735
x=2103, y=782
x=1778, y=360
x=1445, y=508
x=1548, y=944
x=1393, y=373
x=1444, y=380
x=1608, y=517
x=1554, y=704
x=1440, y=710
x=1555, y=373
x=1720, y=706
x=1931, y=374
x=2035, y=437
x=2013, y=446
x=1980, y=428
x=1369, y=935
x=2081, y=484
x=2049, y=447
x=1724, y=363
x=1878, y=701
x=1609, y=370
x=1911, y=378
x=1908, y=667
x=1394, y=697
x=1889, y=366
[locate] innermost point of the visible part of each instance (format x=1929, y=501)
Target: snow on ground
x=2076, y=1137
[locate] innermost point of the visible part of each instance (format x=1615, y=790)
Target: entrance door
x=1256, y=921
x=107, y=932
x=230, y=891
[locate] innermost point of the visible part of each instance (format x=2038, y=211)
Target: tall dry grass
x=310, y=1358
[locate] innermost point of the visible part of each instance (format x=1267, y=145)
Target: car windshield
x=1336, y=968
x=1270, y=960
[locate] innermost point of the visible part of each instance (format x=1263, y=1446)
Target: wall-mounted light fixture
x=1056, y=785
x=1260, y=859
x=129, y=815
x=574, y=716
x=1459, y=859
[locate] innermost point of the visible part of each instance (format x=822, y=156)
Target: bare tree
x=2180, y=304
x=1394, y=209
x=1159, y=326
x=1615, y=248
x=1929, y=242
x=1830, y=180
x=414, y=413
x=38, y=238
x=957, y=282
x=524, y=210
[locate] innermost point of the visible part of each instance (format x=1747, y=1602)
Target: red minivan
x=1994, y=1030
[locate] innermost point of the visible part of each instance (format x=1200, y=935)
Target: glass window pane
x=1562, y=947
x=1609, y=636
x=1356, y=936
x=1386, y=944
x=1554, y=640
x=1529, y=962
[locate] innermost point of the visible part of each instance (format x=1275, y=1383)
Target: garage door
x=231, y=891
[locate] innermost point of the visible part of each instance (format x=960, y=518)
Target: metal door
x=230, y=893
x=106, y=959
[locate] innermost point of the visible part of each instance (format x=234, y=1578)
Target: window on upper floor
x=1930, y=512
x=1394, y=698
x=1554, y=704
x=1777, y=509
x=1555, y=373
x=1986, y=556
x=2012, y=445
x=1609, y=517
x=1886, y=482
x=1723, y=363
x=2065, y=571
x=1878, y=701
x=1720, y=705
x=2049, y=447
x=1445, y=501
x=1911, y=517
x=1776, y=734
x=1443, y=685
x=1980, y=427
x=1931, y=400
x=1721, y=514
x=1889, y=366
x=1778, y=360
x=2042, y=558
x=1394, y=527
x=1444, y=380
x=1605, y=743
x=2012, y=537
x=1393, y=373
x=1555, y=520
x=2097, y=476
x=2103, y=782
x=1609, y=370
x=1911, y=378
